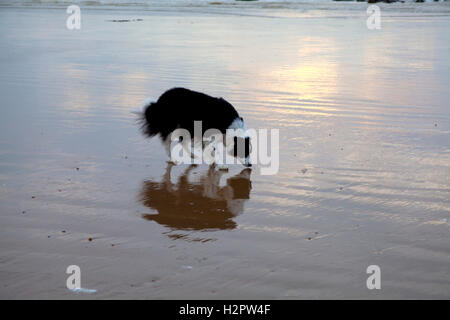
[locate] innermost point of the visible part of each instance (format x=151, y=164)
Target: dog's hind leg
x=167, y=144
x=167, y=147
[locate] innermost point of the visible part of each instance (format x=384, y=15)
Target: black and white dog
x=179, y=108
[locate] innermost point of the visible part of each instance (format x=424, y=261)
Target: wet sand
x=364, y=173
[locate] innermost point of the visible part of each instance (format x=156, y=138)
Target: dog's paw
x=222, y=167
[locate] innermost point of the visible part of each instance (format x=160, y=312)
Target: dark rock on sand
x=385, y=1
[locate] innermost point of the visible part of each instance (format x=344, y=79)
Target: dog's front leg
x=219, y=150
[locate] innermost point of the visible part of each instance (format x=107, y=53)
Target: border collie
x=178, y=108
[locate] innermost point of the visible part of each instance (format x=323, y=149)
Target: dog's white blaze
x=239, y=124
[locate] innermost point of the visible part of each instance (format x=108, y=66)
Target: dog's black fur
x=180, y=107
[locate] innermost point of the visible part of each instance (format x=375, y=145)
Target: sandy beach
x=364, y=177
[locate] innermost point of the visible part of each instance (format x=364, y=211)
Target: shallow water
x=364, y=172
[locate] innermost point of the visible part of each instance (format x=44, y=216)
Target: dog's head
x=238, y=141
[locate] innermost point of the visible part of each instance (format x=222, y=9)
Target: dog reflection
x=202, y=205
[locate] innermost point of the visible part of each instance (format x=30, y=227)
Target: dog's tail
x=148, y=118
x=139, y=111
